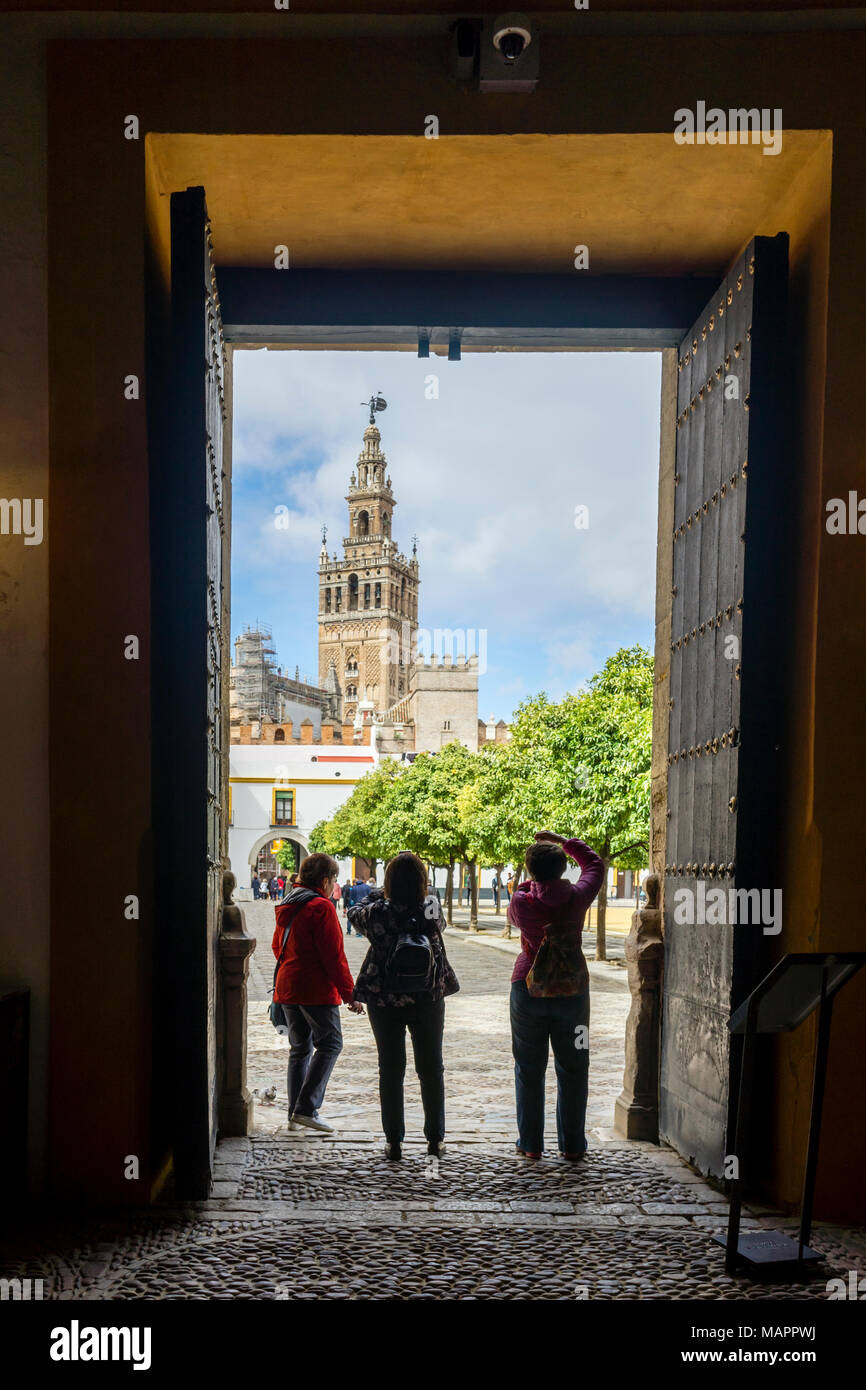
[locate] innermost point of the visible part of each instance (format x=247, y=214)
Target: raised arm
x=591, y=865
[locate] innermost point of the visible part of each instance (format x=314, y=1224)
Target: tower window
x=366, y=595
x=279, y=736
x=447, y=724
x=363, y=524
x=378, y=595
x=353, y=591
x=327, y=600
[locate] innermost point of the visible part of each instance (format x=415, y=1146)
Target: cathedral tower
x=368, y=600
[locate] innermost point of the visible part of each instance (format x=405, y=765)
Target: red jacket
x=314, y=969
x=533, y=905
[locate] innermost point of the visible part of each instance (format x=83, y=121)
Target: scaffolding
x=254, y=674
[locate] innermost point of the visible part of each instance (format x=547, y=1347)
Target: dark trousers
x=315, y=1043
x=425, y=1021
x=535, y=1023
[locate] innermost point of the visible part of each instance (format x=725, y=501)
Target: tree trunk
x=449, y=894
x=473, y=896
x=500, y=869
x=601, y=911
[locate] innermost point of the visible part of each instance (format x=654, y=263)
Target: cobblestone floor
x=295, y=1215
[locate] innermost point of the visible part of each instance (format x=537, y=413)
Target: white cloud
x=488, y=476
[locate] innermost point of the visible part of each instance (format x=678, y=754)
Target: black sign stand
x=799, y=984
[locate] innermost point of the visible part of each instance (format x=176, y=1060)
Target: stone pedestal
x=235, y=948
x=636, y=1113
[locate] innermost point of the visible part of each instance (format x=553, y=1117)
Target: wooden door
x=190, y=525
x=726, y=724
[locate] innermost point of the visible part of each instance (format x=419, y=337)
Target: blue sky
x=488, y=476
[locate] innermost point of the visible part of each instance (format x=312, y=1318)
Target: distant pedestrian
x=281, y=885
x=256, y=885
x=313, y=978
x=495, y=887
x=509, y=887
x=550, y=992
x=404, y=980
x=358, y=893
x=336, y=895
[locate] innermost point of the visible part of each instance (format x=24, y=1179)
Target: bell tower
x=368, y=599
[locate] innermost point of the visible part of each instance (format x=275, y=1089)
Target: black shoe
x=394, y=1152
x=434, y=1149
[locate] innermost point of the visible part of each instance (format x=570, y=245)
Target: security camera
x=508, y=59
x=511, y=35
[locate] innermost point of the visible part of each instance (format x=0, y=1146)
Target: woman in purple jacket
x=562, y=1021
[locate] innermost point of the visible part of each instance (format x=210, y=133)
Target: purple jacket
x=534, y=905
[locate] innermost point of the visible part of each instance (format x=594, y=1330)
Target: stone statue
x=233, y=921
x=636, y=1113
x=235, y=948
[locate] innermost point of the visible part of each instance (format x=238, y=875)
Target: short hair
x=316, y=867
x=545, y=861
x=406, y=880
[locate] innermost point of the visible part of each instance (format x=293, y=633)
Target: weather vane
x=324, y=534
x=375, y=403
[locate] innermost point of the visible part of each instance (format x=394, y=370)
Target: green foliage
x=578, y=767
x=361, y=826
x=425, y=814
x=499, y=806
x=285, y=857
x=590, y=758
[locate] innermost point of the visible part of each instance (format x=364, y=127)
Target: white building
x=278, y=791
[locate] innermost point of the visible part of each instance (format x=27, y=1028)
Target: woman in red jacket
x=312, y=979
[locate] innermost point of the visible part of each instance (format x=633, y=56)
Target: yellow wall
x=94, y=278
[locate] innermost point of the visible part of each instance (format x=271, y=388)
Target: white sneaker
x=311, y=1122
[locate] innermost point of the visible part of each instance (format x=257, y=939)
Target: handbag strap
x=280, y=958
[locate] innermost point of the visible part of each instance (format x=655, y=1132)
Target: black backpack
x=411, y=965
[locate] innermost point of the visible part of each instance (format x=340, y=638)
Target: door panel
x=190, y=527
x=725, y=738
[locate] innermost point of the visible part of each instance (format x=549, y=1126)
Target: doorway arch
x=294, y=836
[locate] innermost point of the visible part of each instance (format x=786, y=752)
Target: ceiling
x=408, y=8
x=488, y=203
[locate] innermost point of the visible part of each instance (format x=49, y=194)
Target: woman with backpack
x=550, y=992
x=404, y=980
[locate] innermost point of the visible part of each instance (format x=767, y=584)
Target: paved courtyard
x=479, y=1076
x=304, y=1217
